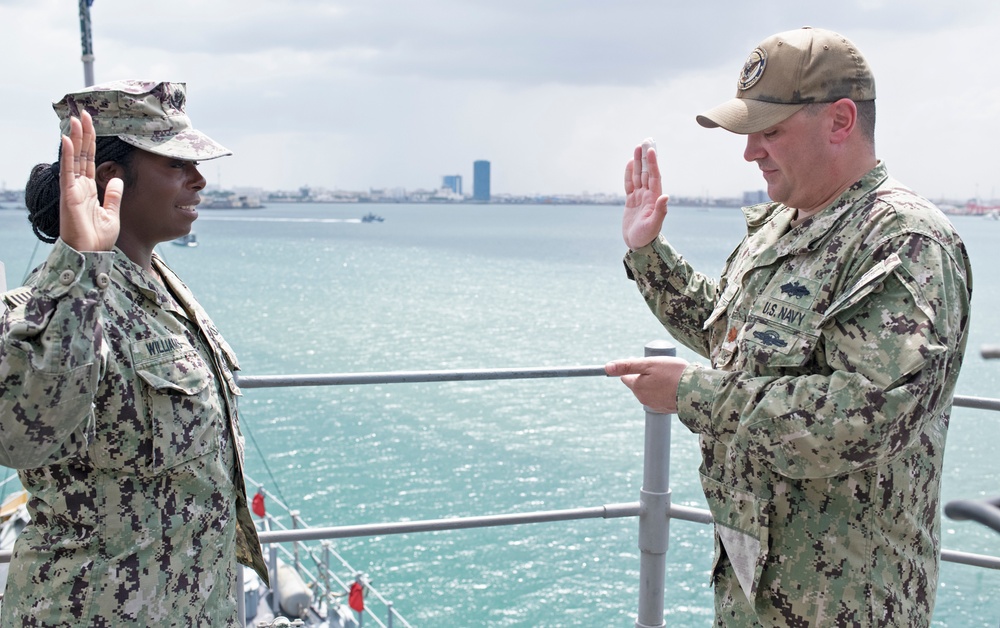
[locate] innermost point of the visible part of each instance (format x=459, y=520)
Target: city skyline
x=12, y=198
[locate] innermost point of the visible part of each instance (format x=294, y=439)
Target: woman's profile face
x=160, y=203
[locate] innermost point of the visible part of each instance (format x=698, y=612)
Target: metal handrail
x=984, y=511
x=607, y=511
x=412, y=377
x=980, y=403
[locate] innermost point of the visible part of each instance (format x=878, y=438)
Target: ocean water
x=310, y=289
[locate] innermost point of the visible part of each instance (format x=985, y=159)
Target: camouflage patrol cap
x=788, y=71
x=146, y=114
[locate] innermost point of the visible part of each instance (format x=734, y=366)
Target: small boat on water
x=370, y=217
x=190, y=239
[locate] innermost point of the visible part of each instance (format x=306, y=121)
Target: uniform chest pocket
x=183, y=408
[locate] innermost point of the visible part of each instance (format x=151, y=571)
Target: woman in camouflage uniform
x=117, y=394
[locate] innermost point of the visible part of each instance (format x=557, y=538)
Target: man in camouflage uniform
x=835, y=337
x=117, y=396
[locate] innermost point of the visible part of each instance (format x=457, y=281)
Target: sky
x=360, y=94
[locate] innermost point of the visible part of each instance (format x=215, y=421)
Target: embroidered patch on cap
x=753, y=69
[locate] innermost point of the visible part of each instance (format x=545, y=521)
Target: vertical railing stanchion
x=326, y=571
x=241, y=598
x=654, y=509
x=275, y=598
x=361, y=614
x=295, y=546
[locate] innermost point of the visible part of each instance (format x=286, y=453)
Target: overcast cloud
x=357, y=94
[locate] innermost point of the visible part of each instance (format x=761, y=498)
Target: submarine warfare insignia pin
x=770, y=338
x=795, y=289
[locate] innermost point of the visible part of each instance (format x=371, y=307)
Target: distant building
x=481, y=180
x=452, y=182
x=755, y=197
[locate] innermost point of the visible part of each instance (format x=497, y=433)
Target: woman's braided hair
x=41, y=194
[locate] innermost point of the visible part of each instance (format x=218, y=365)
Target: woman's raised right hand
x=84, y=223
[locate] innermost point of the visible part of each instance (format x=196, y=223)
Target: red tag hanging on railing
x=356, y=599
x=257, y=506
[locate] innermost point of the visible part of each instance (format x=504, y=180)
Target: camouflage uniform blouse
x=835, y=346
x=117, y=405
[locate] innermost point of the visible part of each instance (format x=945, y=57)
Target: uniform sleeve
x=51, y=360
x=893, y=344
x=680, y=297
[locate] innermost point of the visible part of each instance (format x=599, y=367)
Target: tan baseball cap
x=788, y=71
x=146, y=114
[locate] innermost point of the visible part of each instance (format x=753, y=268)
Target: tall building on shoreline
x=481, y=180
x=452, y=182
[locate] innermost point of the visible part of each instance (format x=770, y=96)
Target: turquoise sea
x=311, y=289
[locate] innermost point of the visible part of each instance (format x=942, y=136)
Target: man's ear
x=843, y=119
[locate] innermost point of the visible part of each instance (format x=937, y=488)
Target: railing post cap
x=660, y=348
x=990, y=351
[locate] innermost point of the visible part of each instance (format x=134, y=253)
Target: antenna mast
x=87, y=43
